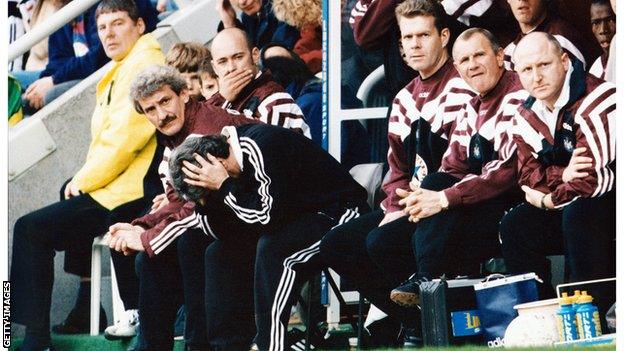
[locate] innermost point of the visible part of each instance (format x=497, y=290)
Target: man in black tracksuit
x=267, y=195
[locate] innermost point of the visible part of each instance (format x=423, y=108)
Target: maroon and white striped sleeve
x=371, y=21
x=596, y=132
x=281, y=110
x=462, y=10
x=402, y=115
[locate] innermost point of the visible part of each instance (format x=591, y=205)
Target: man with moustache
x=603, y=26
x=167, y=261
x=421, y=122
x=534, y=16
x=459, y=207
x=245, y=88
x=568, y=109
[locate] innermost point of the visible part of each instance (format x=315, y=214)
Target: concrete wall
x=67, y=121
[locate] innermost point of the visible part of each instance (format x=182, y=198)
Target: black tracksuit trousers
x=584, y=231
x=374, y=260
x=249, y=275
x=455, y=241
x=166, y=281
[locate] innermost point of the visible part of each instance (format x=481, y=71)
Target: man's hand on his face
x=209, y=175
x=37, y=91
x=232, y=83
x=226, y=12
x=125, y=238
x=577, y=164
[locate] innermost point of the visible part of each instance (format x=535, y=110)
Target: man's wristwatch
x=444, y=204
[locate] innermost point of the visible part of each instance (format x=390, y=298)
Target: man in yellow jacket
x=117, y=179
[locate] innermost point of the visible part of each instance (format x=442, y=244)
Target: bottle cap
x=565, y=299
x=584, y=298
x=577, y=294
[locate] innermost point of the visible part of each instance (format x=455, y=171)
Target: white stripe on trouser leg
x=286, y=282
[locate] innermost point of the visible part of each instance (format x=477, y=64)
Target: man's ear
x=141, y=24
x=565, y=59
x=184, y=94
x=500, y=57
x=255, y=55
x=445, y=35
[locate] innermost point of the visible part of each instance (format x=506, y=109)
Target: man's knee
x=333, y=245
x=29, y=228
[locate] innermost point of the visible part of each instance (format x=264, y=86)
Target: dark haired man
x=116, y=181
x=75, y=51
x=272, y=194
x=603, y=26
x=459, y=207
x=421, y=121
x=535, y=16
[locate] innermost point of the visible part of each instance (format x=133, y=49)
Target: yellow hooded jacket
x=123, y=142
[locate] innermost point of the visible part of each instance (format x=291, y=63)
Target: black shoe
x=78, y=322
x=408, y=293
x=297, y=340
x=412, y=338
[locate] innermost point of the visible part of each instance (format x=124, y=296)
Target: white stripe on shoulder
x=249, y=215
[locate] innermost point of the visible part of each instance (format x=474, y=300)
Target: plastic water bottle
x=587, y=317
x=565, y=319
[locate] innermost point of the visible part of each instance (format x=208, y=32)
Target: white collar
x=232, y=135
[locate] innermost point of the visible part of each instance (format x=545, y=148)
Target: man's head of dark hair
x=216, y=145
x=285, y=69
x=128, y=6
x=433, y=8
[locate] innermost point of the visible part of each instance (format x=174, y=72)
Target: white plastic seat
x=100, y=244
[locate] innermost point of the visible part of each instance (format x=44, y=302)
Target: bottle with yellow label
x=565, y=319
x=587, y=317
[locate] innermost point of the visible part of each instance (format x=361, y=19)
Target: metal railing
x=49, y=26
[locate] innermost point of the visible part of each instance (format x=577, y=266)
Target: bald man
x=569, y=209
x=245, y=88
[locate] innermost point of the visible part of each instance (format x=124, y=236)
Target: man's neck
x=527, y=28
x=424, y=74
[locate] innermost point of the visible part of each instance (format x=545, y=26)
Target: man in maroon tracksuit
x=167, y=263
x=423, y=114
x=570, y=114
x=534, y=16
x=458, y=208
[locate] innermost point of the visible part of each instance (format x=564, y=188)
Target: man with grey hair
x=165, y=255
x=569, y=114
